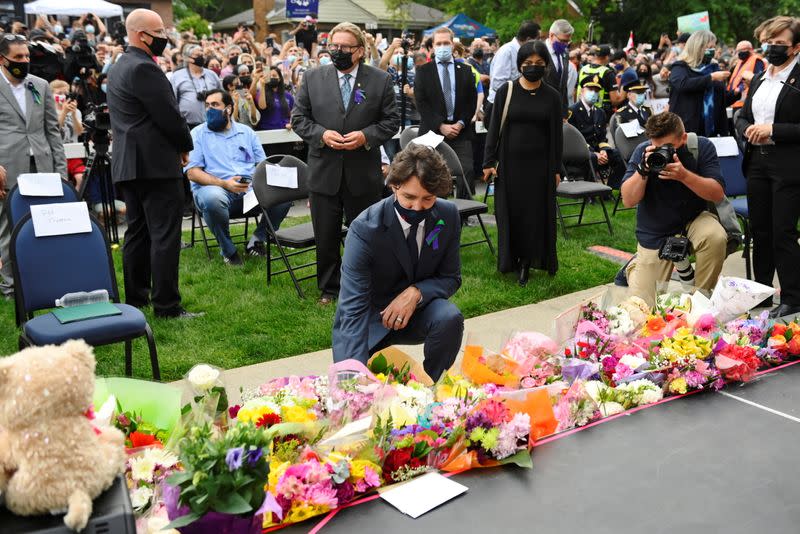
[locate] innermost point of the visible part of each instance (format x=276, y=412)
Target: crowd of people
x=500, y=107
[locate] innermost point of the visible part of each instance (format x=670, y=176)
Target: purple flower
x=360, y=96
x=234, y=458
x=254, y=455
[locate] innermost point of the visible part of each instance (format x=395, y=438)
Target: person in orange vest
x=749, y=65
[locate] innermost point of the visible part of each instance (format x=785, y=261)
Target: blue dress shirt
x=233, y=152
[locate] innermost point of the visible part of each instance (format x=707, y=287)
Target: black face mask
x=18, y=69
x=246, y=80
x=645, y=74
x=410, y=216
x=478, y=54
x=234, y=60
x=272, y=84
x=744, y=55
x=777, y=54
x=708, y=55
x=533, y=73
x=199, y=61
x=342, y=60
x=157, y=45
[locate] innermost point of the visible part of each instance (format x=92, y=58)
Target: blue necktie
x=346, y=90
x=446, y=88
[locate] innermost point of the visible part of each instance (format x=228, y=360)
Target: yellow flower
x=296, y=414
x=276, y=471
x=381, y=377
x=301, y=512
x=252, y=415
x=444, y=391
x=358, y=467
x=678, y=386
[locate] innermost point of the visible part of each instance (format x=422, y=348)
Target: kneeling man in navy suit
x=401, y=263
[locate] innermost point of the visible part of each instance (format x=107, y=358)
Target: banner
x=695, y=21
x=298, y=9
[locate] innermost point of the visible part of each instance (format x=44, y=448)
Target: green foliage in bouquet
x=222, y=473
x=380, y=365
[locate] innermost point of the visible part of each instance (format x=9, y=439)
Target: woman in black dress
x=523, y=150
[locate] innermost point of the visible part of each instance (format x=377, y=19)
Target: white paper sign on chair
x=60, y=219
x=42, y=184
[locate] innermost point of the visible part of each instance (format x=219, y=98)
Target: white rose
x=203, y=377
x=140, y=497
x=649, y=396
x=594, y=388
x=610, y=408
x=634, y=362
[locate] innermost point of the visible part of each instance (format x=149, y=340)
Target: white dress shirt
x=407, y=228
x=765, y=99
x=503, y=67
x=19, y=94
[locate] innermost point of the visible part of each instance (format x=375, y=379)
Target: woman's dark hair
x=229, y=81
x=530, y=48
x=426, y=164
x=280, y=91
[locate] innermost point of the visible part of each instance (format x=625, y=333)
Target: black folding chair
x=299, y=237
x=407, y=135
x=625, y=146
x=576, y=155
x=210, y=242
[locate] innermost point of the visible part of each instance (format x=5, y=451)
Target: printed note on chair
x=631, y=129
x=282, y=176
x=60, y=219
x=42, y=184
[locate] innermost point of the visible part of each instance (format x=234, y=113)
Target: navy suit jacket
x=376, y=267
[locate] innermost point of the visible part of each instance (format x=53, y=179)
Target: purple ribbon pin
x=433, y=236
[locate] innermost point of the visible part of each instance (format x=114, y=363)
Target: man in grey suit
x=344, y=112
x=30, y=140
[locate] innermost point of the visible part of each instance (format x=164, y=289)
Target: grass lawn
x=248, y=322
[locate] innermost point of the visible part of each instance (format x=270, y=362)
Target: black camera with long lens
x=407, y=41
x=98, y=125
x=660, y=158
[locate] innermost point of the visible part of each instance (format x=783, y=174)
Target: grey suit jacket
x=37, y=129
x=318, y=107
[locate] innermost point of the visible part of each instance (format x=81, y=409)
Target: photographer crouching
x=672, y=178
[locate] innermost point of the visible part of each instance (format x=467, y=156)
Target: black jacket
x=786, y=127
x=593, y=128
x=430, y=98
x=687, y=91
x=149, y=133
x=558, y=81
x=627, y=114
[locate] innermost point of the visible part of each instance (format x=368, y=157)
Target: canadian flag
x=630, y=44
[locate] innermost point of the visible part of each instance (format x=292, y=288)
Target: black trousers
x=440, y=326
x=773, y=198
x=151, y=252
x=463, y=149
x=326, y=217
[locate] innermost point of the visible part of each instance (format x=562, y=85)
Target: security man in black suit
x=591, y=122
x=446, y=97
x=151, y=143
x=634, y=109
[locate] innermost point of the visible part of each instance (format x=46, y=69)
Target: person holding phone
x=221, y=167
x=305, y=34
x=273, y=101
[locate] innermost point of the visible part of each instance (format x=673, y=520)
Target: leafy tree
x=193, y=22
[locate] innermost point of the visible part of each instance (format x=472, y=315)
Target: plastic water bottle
x=82, y=297
x=490, y=189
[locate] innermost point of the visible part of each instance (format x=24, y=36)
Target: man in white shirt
x=504, y=64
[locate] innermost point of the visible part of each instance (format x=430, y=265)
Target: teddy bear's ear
x=81, y=351
x=5, y=368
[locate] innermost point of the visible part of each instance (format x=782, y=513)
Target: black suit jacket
x=786, y=128
x=430, y=98
x=627, y=114
x=149, y=131
x=592, y=127
x=372, y=110
x=558, y=81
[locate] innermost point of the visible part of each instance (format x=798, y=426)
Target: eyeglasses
x=344, y=48
x=15, y=37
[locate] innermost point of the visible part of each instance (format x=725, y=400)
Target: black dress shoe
x=766, y=303
x=783, y=310
x=524, y=272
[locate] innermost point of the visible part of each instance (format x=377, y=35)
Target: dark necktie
x=446, y=88
x=413, y=251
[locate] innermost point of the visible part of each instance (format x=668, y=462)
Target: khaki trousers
x=708, y=239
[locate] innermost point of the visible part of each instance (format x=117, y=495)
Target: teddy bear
x=52, y=458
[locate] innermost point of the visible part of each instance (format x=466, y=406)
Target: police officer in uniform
x=634, y=109
x=591, y=122
x=609, y=95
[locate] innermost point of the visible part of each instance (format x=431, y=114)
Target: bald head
x=143, y=20
x=744, y=46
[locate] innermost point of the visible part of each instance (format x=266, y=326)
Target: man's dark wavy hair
x=426, y=164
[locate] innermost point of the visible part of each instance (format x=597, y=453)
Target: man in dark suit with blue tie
x=401, y=264
x=446, y=95
x=344, y=112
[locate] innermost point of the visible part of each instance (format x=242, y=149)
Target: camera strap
x=692, y=144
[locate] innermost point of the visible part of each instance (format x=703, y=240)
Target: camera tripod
x=98, y=167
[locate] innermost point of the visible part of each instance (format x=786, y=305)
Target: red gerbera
x=140, y=439
x=268, y=419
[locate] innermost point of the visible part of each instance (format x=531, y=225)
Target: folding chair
x=466, y=207
x=576, y=153
x=16, y=206
x=736, y=190
x=407, y=135
x=625, y=146
x=46, y=268
x=210, y=242
x=300, y=237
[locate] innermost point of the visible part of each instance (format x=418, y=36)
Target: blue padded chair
x=46, y=268
x=736, y=189
x=17, y=205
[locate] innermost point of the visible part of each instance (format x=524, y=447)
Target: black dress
x=529, y=155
